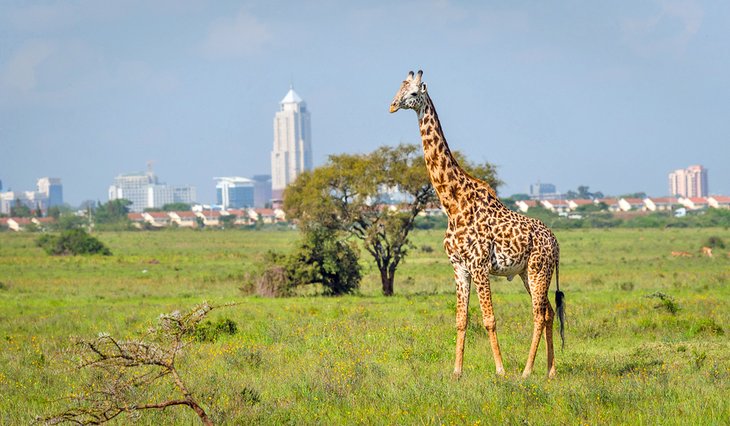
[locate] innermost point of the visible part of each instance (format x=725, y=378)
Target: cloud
x=42, y=17
x=234, y=37
x=669, y=30
x=55, y=17
x=144, y=76
x=20, y=73
x=47, y=72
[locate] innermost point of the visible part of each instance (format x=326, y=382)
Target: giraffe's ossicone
x=484, y=237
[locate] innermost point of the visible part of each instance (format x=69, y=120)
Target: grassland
x=367, y=359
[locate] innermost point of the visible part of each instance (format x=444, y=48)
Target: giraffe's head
x=411, y=95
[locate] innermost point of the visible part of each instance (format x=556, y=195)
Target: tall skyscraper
x=53, y=189
x=689, y=182
x=292, y=153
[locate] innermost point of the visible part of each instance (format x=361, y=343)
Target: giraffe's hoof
x=552, y=374
x=500, y=372
x=456, y=375
x=526, y=374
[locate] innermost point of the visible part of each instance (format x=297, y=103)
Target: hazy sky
x=612, y=95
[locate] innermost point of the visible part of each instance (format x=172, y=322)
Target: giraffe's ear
x=423, y=88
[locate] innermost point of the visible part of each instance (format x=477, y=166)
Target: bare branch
x=129, y=366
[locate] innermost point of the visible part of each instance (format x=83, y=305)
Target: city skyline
x=613, y=96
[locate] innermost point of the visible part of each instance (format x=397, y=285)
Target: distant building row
x=49, y=193
x=192, y=219
x=630, y=204
x=20, y=223
x=146, y=192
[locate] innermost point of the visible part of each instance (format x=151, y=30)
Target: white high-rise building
x=690, y=182
x=292, y=153
x=145, y=191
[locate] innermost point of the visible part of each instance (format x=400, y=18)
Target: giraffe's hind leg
x=549, y=316
x=542, y=315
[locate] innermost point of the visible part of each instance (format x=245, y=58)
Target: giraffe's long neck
x=446, y=175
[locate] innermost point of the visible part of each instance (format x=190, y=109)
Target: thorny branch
x=126, y=368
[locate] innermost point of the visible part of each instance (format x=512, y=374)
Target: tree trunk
x=387, y=281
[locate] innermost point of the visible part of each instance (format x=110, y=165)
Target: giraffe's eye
x=413, y=94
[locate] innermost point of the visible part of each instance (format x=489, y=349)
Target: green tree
x=114, y=211
x=54, y=212
x=352, y=194
x=176, y=207
x=70, y=221
x=520, y=197
x=20, y=210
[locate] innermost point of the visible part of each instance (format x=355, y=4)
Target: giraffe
x=485, y=238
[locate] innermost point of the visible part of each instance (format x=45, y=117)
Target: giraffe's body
x=484, y=237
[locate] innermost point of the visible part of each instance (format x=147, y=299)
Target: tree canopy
x=112, y=211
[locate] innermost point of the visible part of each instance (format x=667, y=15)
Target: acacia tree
x=353, y=194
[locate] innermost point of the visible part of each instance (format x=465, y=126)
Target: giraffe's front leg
x=481, y=280
x=462, y=278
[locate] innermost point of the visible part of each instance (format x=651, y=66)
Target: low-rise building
x=525, y=205
x=694, y=203
x=242, y=216
x=629, y=204
x=654, y=204
x=719, y=201
x=157, y=219
x=611, y=204
x=580, y=202
x=137, y=219
x=184, y=219
x=210, y=217
x=556, y=206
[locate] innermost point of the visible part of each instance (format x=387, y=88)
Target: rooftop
x=291, y=97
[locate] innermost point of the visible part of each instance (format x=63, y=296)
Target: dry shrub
x=272, y=282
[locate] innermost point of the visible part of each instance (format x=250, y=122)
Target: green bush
x=666, y=302
x=322, y=258
x=72, y=242
x=715, y=242
x=326, y=259
x=209, y=331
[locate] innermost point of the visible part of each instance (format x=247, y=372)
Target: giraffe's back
x=488, y=234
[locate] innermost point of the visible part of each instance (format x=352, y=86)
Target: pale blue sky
x=611, y=95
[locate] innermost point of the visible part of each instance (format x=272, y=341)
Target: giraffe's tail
x=560, y=302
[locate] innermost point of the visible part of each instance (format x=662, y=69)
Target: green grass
x=374, y=360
